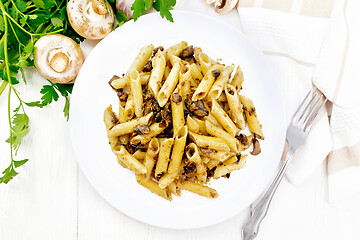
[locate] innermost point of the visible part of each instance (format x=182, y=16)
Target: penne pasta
x=142, y=58
x=220, y=82
x=169, y=85
x=180, y=120
x=251, y=117
x=132, y=163
x=222, y=117
x=231, y=141
x=127, y=127
x=154, y=187
x=157, y=73
x=177, y=111
x=229, y=167
x=209, y=142
x=192, y=154
x=151, y=153
x=198, y=189
x=211, y=75
x=163, y=159
x=178, y=150
x=235, y=106
x=238, y=79
x=136, y=92
x=176, y=48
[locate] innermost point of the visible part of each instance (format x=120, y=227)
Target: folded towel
x=315, y=44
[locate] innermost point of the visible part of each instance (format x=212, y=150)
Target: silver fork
x=296, y=134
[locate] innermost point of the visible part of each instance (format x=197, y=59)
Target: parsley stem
x=10, y=124
x=3, y=86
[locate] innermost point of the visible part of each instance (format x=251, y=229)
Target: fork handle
x=251, y=227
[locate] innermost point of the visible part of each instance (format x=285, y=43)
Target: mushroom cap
x=86, y=22
x=225, y=6
x=58, y=58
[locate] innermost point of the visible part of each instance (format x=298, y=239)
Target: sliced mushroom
x=225, y=6
x=256, y=150
x=92, y=19
x=58, y=58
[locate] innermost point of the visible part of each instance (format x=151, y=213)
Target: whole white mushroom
x=92, y=19
x=58, y=58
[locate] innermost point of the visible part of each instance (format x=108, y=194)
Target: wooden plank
x=41, y=202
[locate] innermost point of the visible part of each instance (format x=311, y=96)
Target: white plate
x=92, y=94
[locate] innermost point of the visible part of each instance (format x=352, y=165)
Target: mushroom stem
x=99, y=7
x=59, y=62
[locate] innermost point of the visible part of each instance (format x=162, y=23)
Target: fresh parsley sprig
x=162, y=6
x=21, y=24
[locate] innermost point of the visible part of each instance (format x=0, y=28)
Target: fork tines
x=308, y=110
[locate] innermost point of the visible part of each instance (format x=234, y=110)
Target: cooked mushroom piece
x=58, y=58
x=256, y=150
x=92, y=19
x=225, y=6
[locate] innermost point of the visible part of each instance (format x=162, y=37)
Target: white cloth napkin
x=315, y=44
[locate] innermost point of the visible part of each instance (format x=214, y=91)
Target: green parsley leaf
x=121, y=16
x=20, y=121
x=39, y=3
x=66, y=109
x=139, y=7
x=20, y=162
x=9, y=173
x=57, y=22
x=164, y=7
x=21, y=5
x=64, y=89
x=34, y=104
x=49, y=94
x=2, y=24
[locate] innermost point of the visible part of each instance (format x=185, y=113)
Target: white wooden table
x=51, y=198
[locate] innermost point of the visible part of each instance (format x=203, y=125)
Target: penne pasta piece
x=177, y=48
x=231, y=141
x=211, y=75
x=251, y=117
x=238, y=79
x=222, y=117
x=110, y=120
x=132, y=163
x=164, y=157
x=178, y=150
x=151, y=153
x=154, y=187
x=174, y=189
x=157, y=72
x=222, y=97
x=213, y=163
x=204, y=60
x=122, y=114
x=205, y=160
x=136, y=92
x=142, y=58
x=202, y=128
x=192, y=124
x=220, y=82
x=235, y=106
x=129, y=108
x=198, y=189
x=120, y=82
x=177, y=111
x=209, y=142
x=195, y=71
x=127, y=127
x=229, y=167
x=185, y=79
x=139, y=155
x=218, y=155
x=155, y=129
x=192, y=154
x=167, y=178
x=174, y=59
x=166, y=72
x=144, y=77
x=169, y=85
